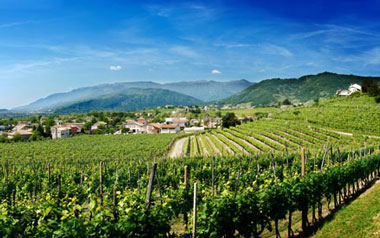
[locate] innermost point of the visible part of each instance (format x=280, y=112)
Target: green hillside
x=296, y=89
x=358, y=114
x=129, y=100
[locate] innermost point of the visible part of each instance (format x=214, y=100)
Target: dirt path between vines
x=178, y=146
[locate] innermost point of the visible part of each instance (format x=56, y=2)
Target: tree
x=370, y=87
x=87, y=126
x=286, y=102
x=38, y=133
x=49, y=123
x=230, y=120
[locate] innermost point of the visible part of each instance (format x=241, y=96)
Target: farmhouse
x=134, y=126
x=353, y=88
x=23, y=129
x=60, y=132
x=169, y=129
x=152, y=128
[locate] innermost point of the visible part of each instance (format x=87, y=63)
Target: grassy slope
x=361, y=218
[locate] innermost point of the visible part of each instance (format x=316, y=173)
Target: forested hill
x=131, y=99
x=300, y=89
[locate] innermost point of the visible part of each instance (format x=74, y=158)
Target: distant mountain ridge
x=201, y=90
x=131, y=99
x=301, y=89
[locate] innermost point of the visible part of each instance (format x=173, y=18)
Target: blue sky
x=49, y=46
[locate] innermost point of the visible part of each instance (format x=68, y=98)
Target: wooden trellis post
x=195, y=211
x=303, y=164
x=101, y=182
x=305, y=206
x=150, y=185
x=186, y=179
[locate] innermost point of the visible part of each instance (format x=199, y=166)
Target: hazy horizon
x=51, y=46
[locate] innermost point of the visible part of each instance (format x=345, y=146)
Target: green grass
x=361, y=218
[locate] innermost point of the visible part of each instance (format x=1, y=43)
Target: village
x=171, y=125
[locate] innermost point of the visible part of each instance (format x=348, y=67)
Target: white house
x=169, y=129
x=60, y=132
x=134, y=126
x=353, y=88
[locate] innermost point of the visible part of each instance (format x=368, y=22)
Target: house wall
x=168, y=131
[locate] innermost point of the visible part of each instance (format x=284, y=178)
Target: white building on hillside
x=352, y=89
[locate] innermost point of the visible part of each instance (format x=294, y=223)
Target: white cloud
x=184, y=51
x=115, y=67
x=215, y=71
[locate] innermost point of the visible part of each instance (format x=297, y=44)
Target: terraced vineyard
x=269, y=135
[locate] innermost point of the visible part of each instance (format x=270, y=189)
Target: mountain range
x=201, y=90
x=301, y=89
x=138, y=95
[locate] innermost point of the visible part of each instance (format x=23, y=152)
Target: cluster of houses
x=347, y=92
x=171, y=126
x=140, y=126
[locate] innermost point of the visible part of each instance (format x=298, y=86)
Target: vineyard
x=50, y=195
x=271, y=135
x=267, y=178
x=357, y=114
x=89, y=147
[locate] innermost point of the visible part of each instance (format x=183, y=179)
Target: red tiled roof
x=155, y=125
x=169, y=126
